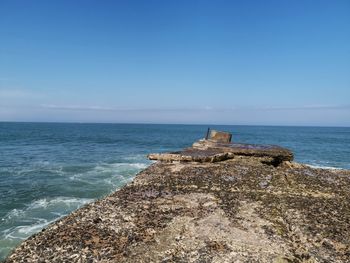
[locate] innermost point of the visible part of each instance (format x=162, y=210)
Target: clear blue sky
x=230, y=62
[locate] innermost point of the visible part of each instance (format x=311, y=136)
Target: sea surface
x=47, y=170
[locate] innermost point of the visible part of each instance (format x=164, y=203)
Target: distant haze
x=201, y=62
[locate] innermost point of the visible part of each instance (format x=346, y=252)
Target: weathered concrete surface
x=219, y=136
x=213, y=151
x=237, y=210
x=193, y=155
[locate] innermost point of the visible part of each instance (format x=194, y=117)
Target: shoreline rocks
x=253, y=205
x=214, y=151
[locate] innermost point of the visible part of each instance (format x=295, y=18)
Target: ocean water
x=48, y=170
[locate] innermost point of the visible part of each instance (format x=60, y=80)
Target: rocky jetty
x=213, y=202
x=213, y=151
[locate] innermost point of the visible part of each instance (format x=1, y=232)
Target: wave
x=324, y=167
x=97, y=178
x=38, y=214
x=23, y=231
x=68, y=201
x=133, y=165
x=109, y=171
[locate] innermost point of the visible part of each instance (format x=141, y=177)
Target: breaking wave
x=39, y=214
x=324, y=167
x=79, y=185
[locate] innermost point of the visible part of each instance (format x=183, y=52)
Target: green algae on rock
x=251, y=206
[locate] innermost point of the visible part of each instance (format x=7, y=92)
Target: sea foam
x=38, y=214
x=324, y=167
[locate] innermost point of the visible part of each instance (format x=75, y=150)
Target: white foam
x=117, y=181
x=24, y=231
x=80, y=178
x=324, y=167
x=47, y=205
x=68, y=201
x=14, y=213
x=27, y=230
x=125, y=165
x=39, y=214
x=108, y=169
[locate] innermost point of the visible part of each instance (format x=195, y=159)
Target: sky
x=200, y=62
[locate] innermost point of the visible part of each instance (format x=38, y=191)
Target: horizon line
x=184, y=124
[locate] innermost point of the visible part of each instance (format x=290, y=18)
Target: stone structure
x=252, y=205
x=213, y=151
x=219, y=136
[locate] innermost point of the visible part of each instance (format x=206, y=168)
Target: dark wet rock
x=242, y=209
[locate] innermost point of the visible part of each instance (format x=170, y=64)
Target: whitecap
x=45, y=206
x=117, y=181
x=109, y=170
x=69, y=201
x=22, y=232
x=324, y=167
x=14, y=213
x=38, y=215
x=122, y=165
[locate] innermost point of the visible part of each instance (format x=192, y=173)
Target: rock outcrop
x=214, y=151
x=253, y=205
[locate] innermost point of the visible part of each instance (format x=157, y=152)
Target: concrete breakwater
x=213, y=202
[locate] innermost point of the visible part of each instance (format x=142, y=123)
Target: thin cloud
x=18, y=94
x=76, y=107
x=307, y=107
x=101, y=108
x=192, y=109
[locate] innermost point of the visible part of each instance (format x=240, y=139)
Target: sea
x=48, y=170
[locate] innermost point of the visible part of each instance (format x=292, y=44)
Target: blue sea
x=47, y=170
